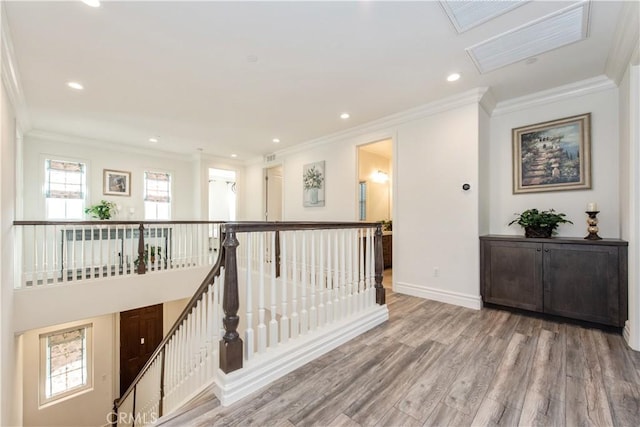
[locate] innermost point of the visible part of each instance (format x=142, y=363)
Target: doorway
x=375, y=181
x=273, y=193
x=140, y=335
x=375, y=195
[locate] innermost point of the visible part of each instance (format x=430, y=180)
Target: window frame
x=156, y=203
x=46, y=183
x=44, y=372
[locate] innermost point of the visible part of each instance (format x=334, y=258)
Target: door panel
x=140, y=334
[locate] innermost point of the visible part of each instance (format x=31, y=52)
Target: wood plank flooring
x=435, y=364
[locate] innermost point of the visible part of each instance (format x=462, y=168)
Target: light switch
x=142, y=340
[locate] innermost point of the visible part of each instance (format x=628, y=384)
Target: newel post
x=230, y=344
x=142, y=266
x=380, y=291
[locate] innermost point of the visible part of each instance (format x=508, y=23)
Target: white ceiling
x=229, y=77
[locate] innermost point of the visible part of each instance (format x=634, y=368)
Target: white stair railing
x=273, y=285
x=58, y=252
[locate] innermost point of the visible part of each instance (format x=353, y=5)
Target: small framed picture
x=553, y=156
x=117, y=183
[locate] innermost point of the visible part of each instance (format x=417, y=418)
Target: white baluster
x=329, y=286
x=295, y=326
x=304, y=314
x=322, y=284
x=349, y=260
x=337, y=313
x=284, y=319
x=248, y=342
x=262, y=328
x=313, y=313
x=273, y=324
x=343, y=276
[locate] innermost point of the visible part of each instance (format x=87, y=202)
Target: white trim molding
x=560, y=93
x=449, y=297
x=384, y=125
x=625, y=41
x=11, y=74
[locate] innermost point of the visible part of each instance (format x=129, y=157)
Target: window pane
x=64, y=180
x=66, y=361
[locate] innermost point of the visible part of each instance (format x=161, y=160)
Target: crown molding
x=11, y=75
x=384, y=123
x=625, y=41
x=556, y=94
x=106, y=145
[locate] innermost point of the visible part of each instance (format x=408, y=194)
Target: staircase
x=278, y=296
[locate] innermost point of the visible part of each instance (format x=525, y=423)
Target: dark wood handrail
x=213, y=273
x=251, y=226
x=110, y=222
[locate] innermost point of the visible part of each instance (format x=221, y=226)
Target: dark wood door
x=140, y=334
x=582, y=282
x=512, y=274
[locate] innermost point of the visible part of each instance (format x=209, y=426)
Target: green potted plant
x=540, y=223
x=102, y=210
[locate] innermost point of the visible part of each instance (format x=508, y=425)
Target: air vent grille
x=468, y=14
x=551, y=32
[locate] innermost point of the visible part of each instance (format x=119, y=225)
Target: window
x=157, y=195
x=362, y=201
x=65, y=363
x=64, y=190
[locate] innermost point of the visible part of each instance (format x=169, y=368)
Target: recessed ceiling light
x=92, y=3
x=276, y=140
x=234, y=155
x=453, y=77
x=344, y=116
x=153, y=140
x=75, y=85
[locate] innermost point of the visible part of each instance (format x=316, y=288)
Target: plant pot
x=538, y=232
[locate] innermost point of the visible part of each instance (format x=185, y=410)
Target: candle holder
x=592, y=221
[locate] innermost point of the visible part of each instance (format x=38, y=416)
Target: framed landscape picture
x=552, y=156
x=117, y=183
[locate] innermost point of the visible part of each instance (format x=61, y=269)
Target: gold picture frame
x=116, y=183
x=552, y=156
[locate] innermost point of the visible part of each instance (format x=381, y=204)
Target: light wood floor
x=436, y=364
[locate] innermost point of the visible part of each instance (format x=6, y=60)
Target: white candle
x=592, y=207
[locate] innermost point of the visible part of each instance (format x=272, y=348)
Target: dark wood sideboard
x=569, y=277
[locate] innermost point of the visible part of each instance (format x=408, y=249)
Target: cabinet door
x=581, y=282
x=512, y=274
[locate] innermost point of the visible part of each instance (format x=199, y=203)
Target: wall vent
x=269, y=158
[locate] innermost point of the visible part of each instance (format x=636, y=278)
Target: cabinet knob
x=538, y=250
x=546, y=250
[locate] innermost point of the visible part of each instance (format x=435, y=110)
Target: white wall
x=7, y=215
x=435, y=221
x=435, y=226
x=88, y=409
x=170, y=312
x=630, y=192
x=37, y=148
x=603, y=106
x=78, y=300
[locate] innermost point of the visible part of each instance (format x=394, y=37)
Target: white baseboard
x=449, y=297
x=278, y=362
